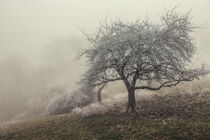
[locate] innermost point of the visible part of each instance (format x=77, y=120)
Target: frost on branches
x=143, y=54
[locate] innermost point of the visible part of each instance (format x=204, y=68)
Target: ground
x=162, y=117
x=112, y=126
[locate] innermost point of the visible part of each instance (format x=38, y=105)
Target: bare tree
x=143, y=54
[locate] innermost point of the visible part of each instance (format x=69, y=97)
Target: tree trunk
x=131, y=100
x=99, y=96
x=99, y=92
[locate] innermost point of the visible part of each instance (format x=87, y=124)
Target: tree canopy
x=143, y=54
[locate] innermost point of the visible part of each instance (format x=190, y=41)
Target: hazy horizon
x=39, y=40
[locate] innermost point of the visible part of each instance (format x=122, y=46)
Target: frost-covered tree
x=143, y=54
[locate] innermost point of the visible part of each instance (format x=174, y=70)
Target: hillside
x=110, y=126
x=165, y=117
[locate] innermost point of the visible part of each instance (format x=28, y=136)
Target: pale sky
x=28, y=26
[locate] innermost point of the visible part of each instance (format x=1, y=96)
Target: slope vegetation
x=165, y=117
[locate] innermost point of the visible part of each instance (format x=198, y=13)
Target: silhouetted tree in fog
x=143, y=54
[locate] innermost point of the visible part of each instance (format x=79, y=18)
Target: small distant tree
x=143, y=54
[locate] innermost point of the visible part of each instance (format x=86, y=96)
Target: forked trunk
x=131, y=100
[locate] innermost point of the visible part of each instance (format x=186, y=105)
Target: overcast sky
x=28, y=26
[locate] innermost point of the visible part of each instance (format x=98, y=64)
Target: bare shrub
x=63, y=101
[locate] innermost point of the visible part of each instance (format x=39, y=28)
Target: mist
x=40, y=40
x=27, y=89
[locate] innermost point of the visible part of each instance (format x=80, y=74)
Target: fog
x=40, y=39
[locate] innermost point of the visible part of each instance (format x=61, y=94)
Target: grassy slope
x=162, y=117
x=111, y=126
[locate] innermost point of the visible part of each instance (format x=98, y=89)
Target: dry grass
x=167, y=115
